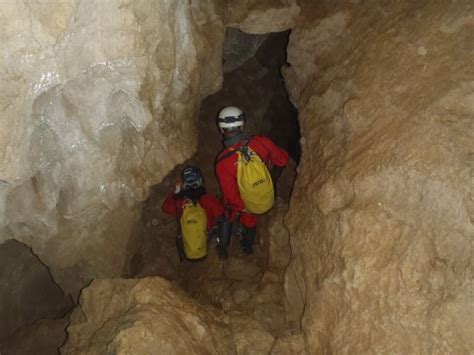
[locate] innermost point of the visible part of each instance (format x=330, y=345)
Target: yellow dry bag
x=254, y=181
x=193, y=230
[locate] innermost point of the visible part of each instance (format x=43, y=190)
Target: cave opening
x=253, y=82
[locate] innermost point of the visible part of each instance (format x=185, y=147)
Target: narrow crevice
x=32, y=301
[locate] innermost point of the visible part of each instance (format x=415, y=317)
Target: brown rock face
x=380, y=223
x=145, y=316
x=43, y=337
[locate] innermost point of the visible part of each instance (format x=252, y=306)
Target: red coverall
x=174, y=207
x=226, y=171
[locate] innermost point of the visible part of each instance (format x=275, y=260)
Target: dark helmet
x=192, y=177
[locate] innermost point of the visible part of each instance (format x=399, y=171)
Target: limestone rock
x=255, y=16
x=381, y=215
x=249, y=336
x=241, y=269
x=144, y=316
x=279, y=251
x=99, y=100
x=90, y=119
x=293, y=344
x=239, y=47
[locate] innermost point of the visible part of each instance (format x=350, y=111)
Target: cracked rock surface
x=381, y=214
x=151, y=315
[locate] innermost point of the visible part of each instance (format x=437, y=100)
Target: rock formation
x=100, y=99
x=380, y=219
x=150, y=315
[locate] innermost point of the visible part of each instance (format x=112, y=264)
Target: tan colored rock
x=279, y=251
x=249, y=335
x=88, y=96
x=144, y=316
x=241, y=269
x=381, y=215
x=256, y=16
x=293, y=344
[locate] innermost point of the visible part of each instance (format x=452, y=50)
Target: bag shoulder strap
x=226, y=155
x=234, y=150
x=269, y=153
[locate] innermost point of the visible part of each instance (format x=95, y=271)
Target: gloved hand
x=178, y=187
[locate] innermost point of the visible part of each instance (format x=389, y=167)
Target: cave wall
x=380, y=218
x=99, y=100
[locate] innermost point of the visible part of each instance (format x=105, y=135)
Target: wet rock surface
x=381, y=215
x=89, y=121
x=99, y=101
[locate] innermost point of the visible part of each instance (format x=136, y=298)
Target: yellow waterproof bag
x=254, y=182
x=193, y=230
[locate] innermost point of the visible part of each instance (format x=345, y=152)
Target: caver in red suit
x=226, y=171
x=230, y=121
x=191, y=188
x=174, y=203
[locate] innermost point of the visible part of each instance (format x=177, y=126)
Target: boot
x=225, y=230
x=240, y=230
x=247, y=240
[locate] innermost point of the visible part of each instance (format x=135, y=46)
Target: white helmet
x=230, y=118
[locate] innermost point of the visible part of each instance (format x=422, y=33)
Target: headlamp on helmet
x=230, y=118
x=192, y=177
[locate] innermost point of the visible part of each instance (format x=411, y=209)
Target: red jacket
x=174, y=207
x=226, y=168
